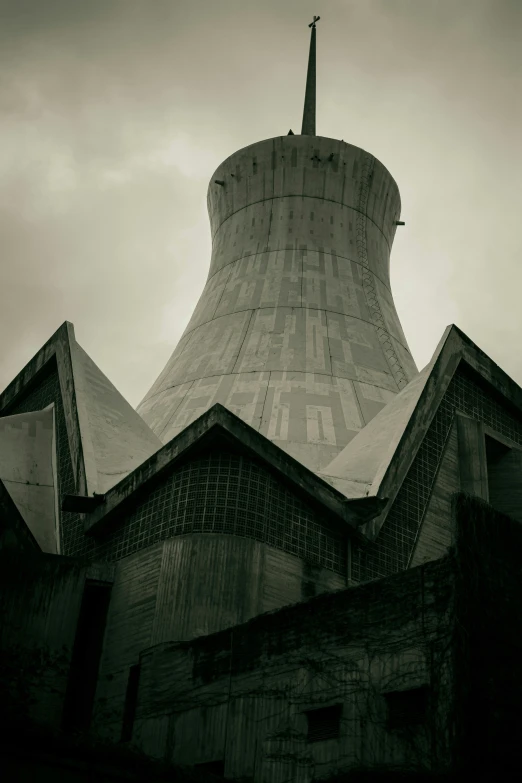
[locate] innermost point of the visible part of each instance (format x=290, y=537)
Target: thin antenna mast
x=308, y=128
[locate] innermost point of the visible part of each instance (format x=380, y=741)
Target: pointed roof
x=359, y=468
x=218, y=427
x=107, y=439
x=308, y=128
x=377, y=459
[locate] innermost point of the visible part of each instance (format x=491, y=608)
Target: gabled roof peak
x=218, y=427
x=377, y=459
x=107, y=438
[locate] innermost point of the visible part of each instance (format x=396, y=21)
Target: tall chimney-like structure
x=296, y=330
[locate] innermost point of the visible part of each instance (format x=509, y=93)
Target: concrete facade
x=189, y=587
x=296, y=330
x=243, y=695
x=28, y=471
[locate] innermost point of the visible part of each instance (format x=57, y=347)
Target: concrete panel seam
x=247, y=330
x=303, y=196
x=220, y=296
x=358, y=402
x=262, y=417
x=290, y=307
x=257, y=372
x=281, y=249
x=368, y=284
x=181, y=399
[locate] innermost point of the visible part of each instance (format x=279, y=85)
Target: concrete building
x=265, y=573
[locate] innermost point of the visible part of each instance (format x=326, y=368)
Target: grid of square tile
x=227, y=493
x=391, y=550
x=222, y=493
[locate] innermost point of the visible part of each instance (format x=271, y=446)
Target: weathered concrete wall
x=504, y=479
x=240, y=695
x=436, y=532
x=128, y=632
x=28, y=472
x=472, y=456
x=192, y=586
x=296, y=330
x=40, y=599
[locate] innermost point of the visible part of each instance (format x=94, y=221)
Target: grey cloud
x=94, y=229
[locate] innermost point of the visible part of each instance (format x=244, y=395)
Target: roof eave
x=220, y=423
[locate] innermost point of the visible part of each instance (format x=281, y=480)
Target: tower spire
x=308, y=128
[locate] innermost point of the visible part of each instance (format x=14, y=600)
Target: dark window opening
x=216, y=768
x=131, y=702
x=85, y=659
x=495, y=450
x=406, y=708
x=324, y=723
x=504, y=466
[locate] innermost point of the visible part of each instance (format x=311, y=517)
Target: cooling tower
x=296, y=330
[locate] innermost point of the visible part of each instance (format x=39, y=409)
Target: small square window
x=324, y=723
x=406, y=708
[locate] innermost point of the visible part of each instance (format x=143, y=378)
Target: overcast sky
x=115, y=113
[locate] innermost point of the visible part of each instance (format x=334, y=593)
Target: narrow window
x=216, y=768
x=324, y=723
x=406, y=709
x=85, y=659
x=131, y=702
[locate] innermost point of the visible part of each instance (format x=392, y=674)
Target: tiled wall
x=392, y=548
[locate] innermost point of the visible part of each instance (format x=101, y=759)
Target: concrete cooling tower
x=296, y=330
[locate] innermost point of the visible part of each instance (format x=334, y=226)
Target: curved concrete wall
x=296, y=330
x=210, y=582
x=191, y=586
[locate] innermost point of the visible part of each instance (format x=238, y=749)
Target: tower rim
x=312, y=140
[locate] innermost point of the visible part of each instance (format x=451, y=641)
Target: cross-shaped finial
x=316, y=19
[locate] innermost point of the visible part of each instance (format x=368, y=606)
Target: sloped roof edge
x=360, y=467
x=57, y=347
x=94, y=413
x=454, y=347
x=28, y=373
x=219, y=422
